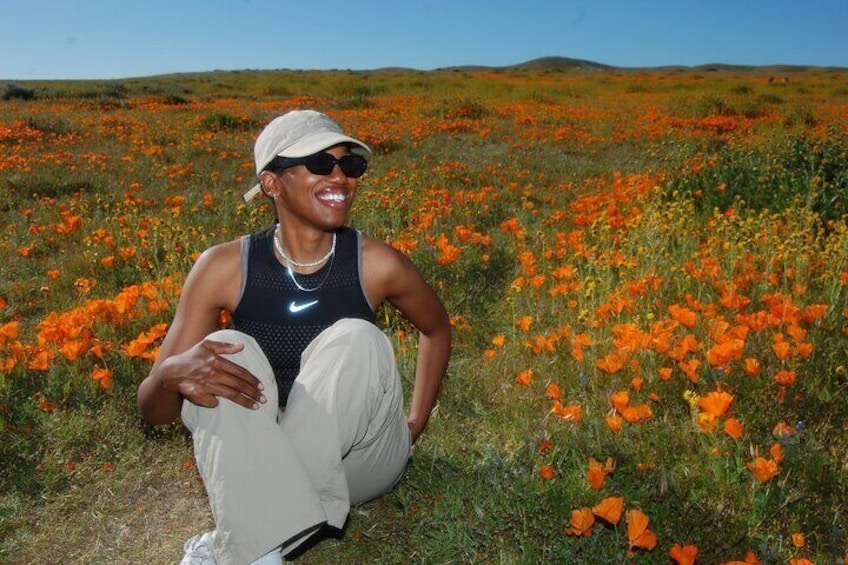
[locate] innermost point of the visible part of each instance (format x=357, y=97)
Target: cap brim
x=313, y=144
x=251, y=194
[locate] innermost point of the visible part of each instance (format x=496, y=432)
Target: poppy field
x=646, y=271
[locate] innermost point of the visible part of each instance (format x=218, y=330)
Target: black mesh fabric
x=284, y=319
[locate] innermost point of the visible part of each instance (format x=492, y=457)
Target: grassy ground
x=647, y=274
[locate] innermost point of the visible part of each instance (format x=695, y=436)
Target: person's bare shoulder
x=217, y=274
x=223, y=253
x=382, y=254
x=387, y=272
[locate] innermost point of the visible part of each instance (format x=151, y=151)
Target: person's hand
x=414, y=430
x=202, y=374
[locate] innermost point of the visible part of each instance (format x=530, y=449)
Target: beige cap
x=298, y=133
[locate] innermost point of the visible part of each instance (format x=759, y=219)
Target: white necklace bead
x=289, y=262
x=279, y=246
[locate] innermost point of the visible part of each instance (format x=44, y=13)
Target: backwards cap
x=298, y=133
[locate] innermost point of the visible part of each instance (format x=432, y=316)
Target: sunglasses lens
x=353, y=165
x=320, y=163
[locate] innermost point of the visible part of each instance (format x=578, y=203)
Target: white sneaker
x=198, y=550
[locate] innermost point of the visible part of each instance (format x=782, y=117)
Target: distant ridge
x=568, y=64
x=539, y=64
x=559, y=64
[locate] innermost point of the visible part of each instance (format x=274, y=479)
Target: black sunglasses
x=323, y=163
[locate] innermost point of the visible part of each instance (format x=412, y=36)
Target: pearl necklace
x=289, y=262
x=279, y=246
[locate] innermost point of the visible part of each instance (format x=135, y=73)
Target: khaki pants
x=273, y=478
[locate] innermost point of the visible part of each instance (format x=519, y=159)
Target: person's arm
x=189, y=365
x=405, y=288
x=433, y=354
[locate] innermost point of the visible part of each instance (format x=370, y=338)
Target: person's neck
x=304, y=245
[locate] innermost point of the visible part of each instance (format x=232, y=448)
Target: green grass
x=613, y=177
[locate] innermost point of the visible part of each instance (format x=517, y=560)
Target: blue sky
x=103, y=39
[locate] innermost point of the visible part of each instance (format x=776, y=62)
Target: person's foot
x=198, y=550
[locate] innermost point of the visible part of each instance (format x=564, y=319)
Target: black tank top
x=284, y=319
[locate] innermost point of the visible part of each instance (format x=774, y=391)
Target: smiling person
x=296, y=412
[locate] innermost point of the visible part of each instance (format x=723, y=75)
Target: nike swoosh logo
x=294, y=307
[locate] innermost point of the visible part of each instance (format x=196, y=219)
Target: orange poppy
x=776, y=452
x=127, y=253
x=545, y=445
x=637, y=413
x=10, y=330
x=662, y=336
x=733, y=428
x=629, y=338
x=72, y=349
x=597, y=472
x=690, y=369
x=577, y=353
x=785, y=378
x=524, y=377
x=523, y=323
x=721, y=354
x=614, y=422
x=752, y=559
x=683, y=555
x=707, y=422
x=448, y=253
x=572, y=413
x=609, y=509
x=581, y=522
x=798, y=540
x=41, y=360
x=814, y=312
x=638, y=534
x=683, y=315
x=781, y=349
x=763, y=469
x=689, y=344
x=751, y=367
x=715, y=403
x=103, y=377
x=805, y=349
x=610, y=364
x=621, y=400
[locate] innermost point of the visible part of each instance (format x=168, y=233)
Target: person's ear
x=268, y=181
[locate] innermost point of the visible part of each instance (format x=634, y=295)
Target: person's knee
x=251, y=357
x=358, y=332
x=354, y=325
x=228, y=335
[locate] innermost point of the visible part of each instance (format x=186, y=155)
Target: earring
x=267, y=193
